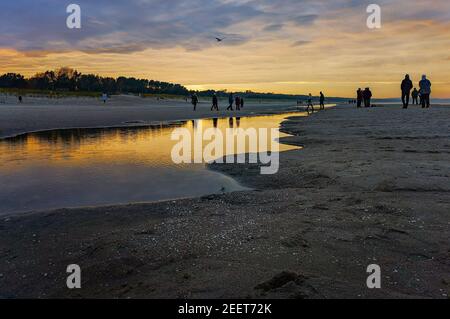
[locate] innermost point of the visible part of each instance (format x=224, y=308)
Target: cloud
x=273, y=27
x=305, y=19
x=122, y=26
x=300, y=43
x=118, y=26
x=289, y=45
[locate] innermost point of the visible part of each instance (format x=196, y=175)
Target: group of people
x=408, y=90
x=238, y=101
x=423, y=93
x=310, y=104
x=364, y=96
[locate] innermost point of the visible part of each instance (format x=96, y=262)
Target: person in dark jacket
x=359, y=97
x=425, y=91
x=310, y=103
x=367, y=96
x=322, y=101
x=238, y=103
x=215, y=103
x=415, y=96
x=231, y=101
x=406, y=88
x=194, y=101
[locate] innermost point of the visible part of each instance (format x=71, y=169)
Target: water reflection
x=84, y=167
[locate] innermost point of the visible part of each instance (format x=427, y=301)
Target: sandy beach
x=40, y=114
x=370, y=186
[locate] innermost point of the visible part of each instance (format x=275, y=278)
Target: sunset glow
x=278, y=46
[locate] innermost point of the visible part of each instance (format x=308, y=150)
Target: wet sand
x=371, y=186
x=40, y=114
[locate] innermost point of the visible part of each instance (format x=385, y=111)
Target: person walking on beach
x=238, y=103
x=231, y=101
x=322, y=101
x=215, y=103
x=415, y=97
x=104, y=98
x=406, y=88
x=242, y=102
x=20, y=99
x=194, y=101
x=425, y=91
x=310, y=103
x=367, y=96
x=359, y=97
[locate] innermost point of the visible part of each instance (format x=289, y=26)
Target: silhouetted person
x=406, y=88
x=194, y=101
x=367, y=96
x=425, y=91
x=310, y=104
x=242, y=103
x=359, y=97
x=215, y=103
x=20, y=99
x=104, y=98
x=322, y=101
x=238, y=103
x=415, y=96
x=231, y=101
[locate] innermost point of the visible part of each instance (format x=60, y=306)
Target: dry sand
x=371, y=186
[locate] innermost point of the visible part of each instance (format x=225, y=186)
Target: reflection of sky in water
x=72, y=168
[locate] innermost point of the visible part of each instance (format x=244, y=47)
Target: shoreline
x=16, y=120
x=312, y=228
x=166, y=123
x=162, y=124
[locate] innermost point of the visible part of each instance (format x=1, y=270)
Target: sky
x=280, y=46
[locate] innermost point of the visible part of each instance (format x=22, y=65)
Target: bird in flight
x=219, y=39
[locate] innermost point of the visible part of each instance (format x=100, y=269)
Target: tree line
x=67, y=79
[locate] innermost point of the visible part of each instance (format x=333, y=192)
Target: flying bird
x=219, y=39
